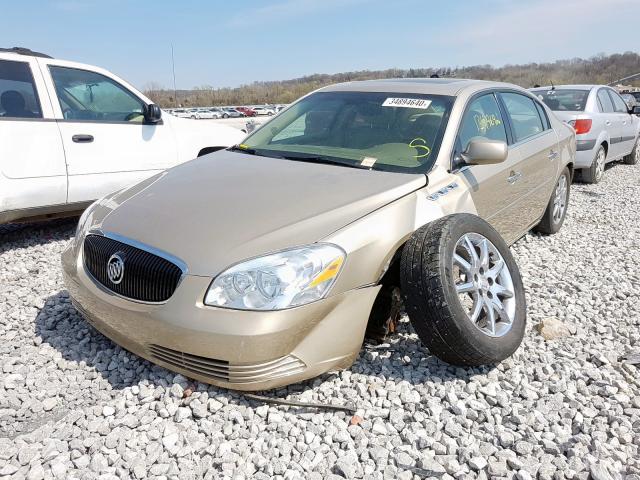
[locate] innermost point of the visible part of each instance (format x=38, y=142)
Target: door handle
x=552, y=155
x=82, y=138
x=607, y=123
x=514, y=177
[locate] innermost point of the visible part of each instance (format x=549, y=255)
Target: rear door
x=537, y=143
x=628, y=125
x=612, y=123
x=107, y=142
x=494, y=188
x=31, y=154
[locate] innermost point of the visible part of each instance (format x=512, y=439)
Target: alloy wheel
x=560, y=199
x=484, y=285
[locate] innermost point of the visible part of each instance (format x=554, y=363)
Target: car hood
x=227, y=207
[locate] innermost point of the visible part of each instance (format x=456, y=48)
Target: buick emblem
x=115, y=268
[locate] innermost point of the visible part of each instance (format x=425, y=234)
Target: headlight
x=281, y=280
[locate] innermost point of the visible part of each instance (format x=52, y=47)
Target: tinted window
x=563, y=99
x=604, y=102
x=618, y=103
x=524, y=115
x=398, y=132
x=18, y=97
x=88, y=95
x=482, y=119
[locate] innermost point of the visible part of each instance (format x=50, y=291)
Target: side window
x=604, y=101
x=543, y=116
x=524, y=115
x=18, y=97
x=618, y=104
x=86, y=95
x=482, y=119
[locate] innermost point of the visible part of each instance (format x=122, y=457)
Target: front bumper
x=241, y=350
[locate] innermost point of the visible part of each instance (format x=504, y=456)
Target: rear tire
x=556, y=210
x=634, y=157
x=595, y=172
x=430, y=276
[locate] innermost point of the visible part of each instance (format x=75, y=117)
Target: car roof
x=435, y=86
x=24, y=51
x=568, y=87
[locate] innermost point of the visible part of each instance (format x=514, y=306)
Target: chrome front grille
x=225, y=371
x=147, y=277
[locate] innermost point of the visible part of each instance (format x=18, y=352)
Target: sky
x=224, y=43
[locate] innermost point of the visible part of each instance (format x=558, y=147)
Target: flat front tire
x=463, y=291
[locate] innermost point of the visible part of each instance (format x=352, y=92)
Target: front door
x=108, y=145
x=494, y=188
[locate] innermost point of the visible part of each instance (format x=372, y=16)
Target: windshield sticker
x=368, y=161
x=420, y=145
x=407, y=103
x=486, y=122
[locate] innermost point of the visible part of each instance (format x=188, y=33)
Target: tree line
x=599, y=69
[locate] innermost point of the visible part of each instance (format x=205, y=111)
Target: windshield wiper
x=321, y=159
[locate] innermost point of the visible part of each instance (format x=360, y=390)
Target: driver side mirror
x=152, y=113
x=635, y=110
x=482, y=151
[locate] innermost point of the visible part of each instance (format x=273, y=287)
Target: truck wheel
x=556, y=210
x=634, y=157
x=594, y=173
x=463, y=291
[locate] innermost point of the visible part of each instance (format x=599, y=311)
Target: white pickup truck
x=71, y=133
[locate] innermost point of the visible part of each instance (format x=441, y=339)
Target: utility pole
x=173, y=67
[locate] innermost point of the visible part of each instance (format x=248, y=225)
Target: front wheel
x=556, y=210
x=595, y=172
x=634, y=157
x=225, y=116
x=463, y=291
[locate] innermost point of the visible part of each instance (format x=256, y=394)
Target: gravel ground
x=74, y=405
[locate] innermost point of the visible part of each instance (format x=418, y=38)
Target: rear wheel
x=463, y=291
x=556, y=210
x=595, y=172
x=634, y=157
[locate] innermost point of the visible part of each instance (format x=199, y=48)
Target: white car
x=264, y=111
x=71, y=133
x=208, y=113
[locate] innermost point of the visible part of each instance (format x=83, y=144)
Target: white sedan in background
x=264, y=111
x=71, y=133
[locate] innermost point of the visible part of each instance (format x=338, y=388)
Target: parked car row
x=225, y=112
x=606, y=126
x=378, y=194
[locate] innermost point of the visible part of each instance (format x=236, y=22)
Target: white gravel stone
x=74, y=405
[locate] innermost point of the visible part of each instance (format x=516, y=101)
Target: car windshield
x=398, y=132
x=563, y=99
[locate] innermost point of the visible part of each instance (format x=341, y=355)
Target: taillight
x=582, y=125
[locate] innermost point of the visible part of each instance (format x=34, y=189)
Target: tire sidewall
x=557, y=225
x=495, y=347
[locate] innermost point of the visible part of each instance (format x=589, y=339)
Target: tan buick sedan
x=266, y=263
